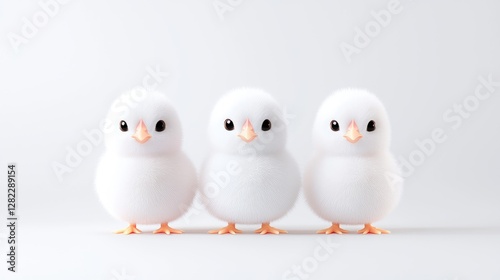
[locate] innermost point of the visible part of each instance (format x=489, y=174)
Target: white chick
x=352, y=178
x=143, y=176
x=249, y=178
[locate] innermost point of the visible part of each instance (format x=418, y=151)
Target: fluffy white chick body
x=144, y=177
x=250, y=177
x=352, y=178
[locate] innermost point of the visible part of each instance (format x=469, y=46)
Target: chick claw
x=129, y=230
x=166, y=229
x=335, y=228
x=266, y=228
x=371, y=229
x=230, y=228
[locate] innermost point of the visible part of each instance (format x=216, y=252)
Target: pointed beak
x=141, y=134
x=247, y=133
x=352, y=135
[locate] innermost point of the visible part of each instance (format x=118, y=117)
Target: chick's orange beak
x=141, y=134
x=352, y=135
x=247, y=133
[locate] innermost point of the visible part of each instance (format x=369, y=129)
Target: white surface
x=92, y=252
x=429, y=57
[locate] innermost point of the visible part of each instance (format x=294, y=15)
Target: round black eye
x=266, y=125
x=123, y=126
x=160, y=126
x=334, y=125
x=370, y=126
x=228, y=124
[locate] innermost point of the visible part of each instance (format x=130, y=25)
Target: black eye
x=266, y=125
x=334, y=125
x=123, y=126
x=228, y=124
x=370, y=126
x=160, y=126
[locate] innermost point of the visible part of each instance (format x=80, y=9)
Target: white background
x=59, y=84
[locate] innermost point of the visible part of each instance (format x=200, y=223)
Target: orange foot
x=371, y=229
x=128, y=230
x=166, y=229
x=231, y=228
x=266, y=228
x=335, y=228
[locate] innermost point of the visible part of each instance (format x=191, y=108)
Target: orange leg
x=128, y=230
x=164, y=228
x=335, y=228
x=266, y=228
x=371, y=229
x=230, y=228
